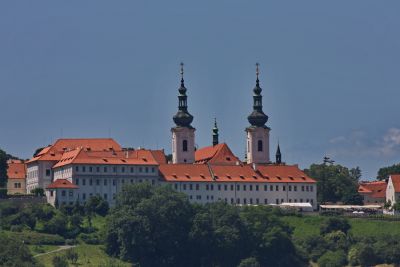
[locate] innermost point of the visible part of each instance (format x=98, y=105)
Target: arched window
x=184, y=145
x=260, y=145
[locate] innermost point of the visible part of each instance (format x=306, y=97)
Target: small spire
x=215, y=133
x=257, y=70
x=182, y=81
x=278, y=155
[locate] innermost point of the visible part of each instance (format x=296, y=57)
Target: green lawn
x=89, y=255
x=310, y=225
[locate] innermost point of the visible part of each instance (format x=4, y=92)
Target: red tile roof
x=62, y=183
x=239, y=173
x=185, y=172
x=16, y=169
x=396, y=182
x=54, y=152
x=376, y=189
x=220, y=154
x=159, y=156
x=129, y=157
x=284, y=174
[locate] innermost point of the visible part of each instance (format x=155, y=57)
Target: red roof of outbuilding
x=62, y=183
x=376, y=189
x=396, y=182
x=16, y=169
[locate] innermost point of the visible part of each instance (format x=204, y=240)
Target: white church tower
x=183, y=145
x=257, y=149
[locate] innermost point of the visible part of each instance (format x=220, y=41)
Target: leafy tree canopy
x=384, y=172
x=336, y=183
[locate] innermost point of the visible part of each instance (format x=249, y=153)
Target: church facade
x=208, y=174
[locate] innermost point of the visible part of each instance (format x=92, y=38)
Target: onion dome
x=257, y=117
x=182, y=118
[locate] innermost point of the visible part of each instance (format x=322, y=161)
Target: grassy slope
x=89, y=255
x=309, y=225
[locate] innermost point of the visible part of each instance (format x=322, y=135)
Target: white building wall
x=39, y=175
x=254, y=135
x=390, y=191
x=179, y=134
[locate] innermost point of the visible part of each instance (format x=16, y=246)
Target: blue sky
x=329, y=73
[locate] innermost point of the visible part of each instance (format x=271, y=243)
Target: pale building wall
x=39, y=175
x=16, y=186
x=390, y=192
x=179, y=134
x=254, y=135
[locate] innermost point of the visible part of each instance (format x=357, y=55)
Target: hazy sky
x=329, y=73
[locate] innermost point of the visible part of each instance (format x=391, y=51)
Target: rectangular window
x=257, y=201
x=131, y=169
x=283, y=188
x=238, y=201
x=176, y=186
x=232, y=200
x=153, y=169
x=97, y=182
x=105, y=181
x=197, y=187
x=212, y=197
x=147, y=169
x=131, y=181
x=251, y=201
x=207, y=186
x=51, y=193
x=90, y=169
x=290, y=188
x=219, y=187
x=77, y=181
x=244, y=201
x=282, y=200
x=231, y=187
x=71, y=193
x=184, y=186
x=47, y=172
x=84, y=196
x=190, y=187
x=244, y=187
x=237, y=187
x=302, y=188
x=83, y=169
x=140, y=169
x=114, y=182
x=114, y=169
x=271, y=188
x=265, y=187
x=265, y=200
x=276, y=201
x=257, y=187
x=301, y=200
x=295, y=188
x=251, y=187
x=97, y=169
x=307, y=189
x=77, y=168
x=277, y=188
x=105, y=196
x=225, y=187
x=90, y=181
x=105, y=169
x=212, y=187
x=83, y=181
x=123, y=169
x=311, y=188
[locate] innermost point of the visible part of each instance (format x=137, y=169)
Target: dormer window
x=185, y=145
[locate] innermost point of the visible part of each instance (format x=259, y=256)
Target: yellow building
x=16, y=173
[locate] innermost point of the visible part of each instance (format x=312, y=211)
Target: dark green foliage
x=14, y=253
x=3, y=174
x=384, y=172
x=333, y=259
x=363, y=255
x=35, y=238
x=315, y=246
x=72, y=256
x=156, y=226
x=97, y=205
x=334, y=224
x=336, y=183
x=56, y=225
x=249, y=262
x=59, y=261
x=152, y=231
x=39, y=192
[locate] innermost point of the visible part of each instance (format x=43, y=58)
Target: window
x=244, y=187
x=131, y=181
x=51, y=193
x=123, y=169
x=265, y=200
x=219, y=187
x=265, y=187
x=212, y=197
x=63, y=193
x=307, y=189
x=84, y=196
x=147, y=169
x=290, y=188
x=311, y=188
x=90, y=181
x=277, y=201
x=231, y=187
x=190, y=187
x=47, y=172
x=284, y=188
x=211, y=187
x=232, y=200
x=184, y=186
x=97, y=169
x=251, y=201
x=260, y=145
x=251, y=187
x=153, y=169
x=140, y=169
x=257, y=187
x=244, y=201
x=237, y=187
x=114, y=182
x=225, y=187
x=97, y=182
x=197, y=186
x=77, y=168
x=71, y=193
x=185, y=145
x=302, y=188
x=105, y=169
x=207, y=186
x=282, y=200
x=301, y=200
x=238, y=201
x=131, y=169
x=271, y=188
x=277, y=188
x=77, y=181
x=295, y=188
x=114, y=169
x=83, y=181
x=257, y=201
x=83, y=169
x=105, y=196
x=176, y=186
x=90, y=169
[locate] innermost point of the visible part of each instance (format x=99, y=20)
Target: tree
x=334, y=224
x=336, y=183
x=332, y=259
x=249, y=262
x=3, y=174
x=59, y=261
x=15, y=253
x=383, y=173
x=56, y=225
x=39, y=192
x=152, y=228
x=72, y=256
x=97, y=205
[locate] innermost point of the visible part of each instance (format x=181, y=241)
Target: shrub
x=91, y=239
x=72, y=256
x=335, y=224
x=332, y=259
x=34, y=238
x=59, y=261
